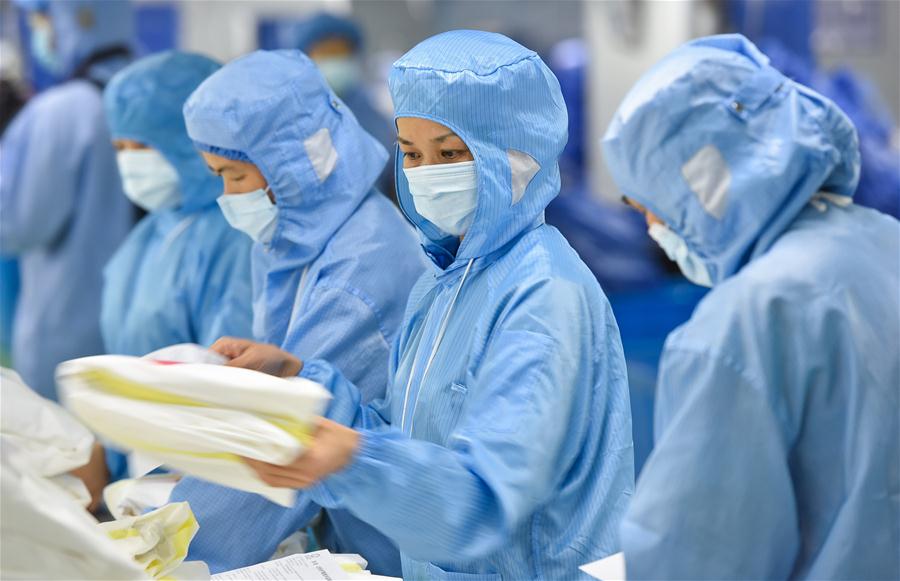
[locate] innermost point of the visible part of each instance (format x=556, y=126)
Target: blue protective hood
x=144, y=101
x=505, y=104
x=325, y=25
x=726, y=150
x=84, y=27
x=275, y=108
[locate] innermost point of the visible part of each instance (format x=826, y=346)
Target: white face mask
x=149, y=180
x=342, y=73
x=691, y=266
x=253, y=214
x=445, y=194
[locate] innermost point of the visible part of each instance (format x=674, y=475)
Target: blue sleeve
x=116, y=463
x=715, y=499
x=225, y=308
x=507, y=453
x=346, y=407
x=239, y=528
x=43, y=154
x=340, y=325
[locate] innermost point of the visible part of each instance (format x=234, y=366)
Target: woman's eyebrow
x=404, y=141
x=444, y=137
x=219, y=171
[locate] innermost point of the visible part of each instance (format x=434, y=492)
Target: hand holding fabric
x=257, y=356
x=333, y=448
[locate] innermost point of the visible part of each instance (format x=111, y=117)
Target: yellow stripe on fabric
x=351, y=568
x=181, y=539
x=111, y=383
x=123, y=534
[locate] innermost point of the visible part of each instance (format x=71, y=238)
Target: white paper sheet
x=611, y=568
x=317, y=566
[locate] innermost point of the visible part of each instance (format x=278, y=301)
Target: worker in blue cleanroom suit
x=183, y=274
x=503, y=447
x=776, y=451
x=62, y=211
x=333, y=264
x=336, y=45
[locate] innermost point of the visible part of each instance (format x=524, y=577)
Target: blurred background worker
x=183, y=274
x=62, y=212
x=336, y=45
x=776, y=425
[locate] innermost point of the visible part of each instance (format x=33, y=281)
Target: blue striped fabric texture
x=776, y=453
x=511, y=456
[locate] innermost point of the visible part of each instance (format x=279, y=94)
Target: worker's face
x=649, y=216
x=424, y=142
x=238, y=177
x=330, y=48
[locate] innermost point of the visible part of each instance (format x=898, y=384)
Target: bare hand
x=95, y=476
x=257, y=356
x=333, y=448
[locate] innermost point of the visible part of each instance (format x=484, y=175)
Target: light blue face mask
x=149, y=180
x=42, y=48
x=342, y=73
x=445, y=194
x=691, y=266
x=253, y=214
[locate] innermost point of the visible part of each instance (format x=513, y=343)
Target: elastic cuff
x=351, y=477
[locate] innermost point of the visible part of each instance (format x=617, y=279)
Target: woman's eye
x=411, y=154
x=448, y=154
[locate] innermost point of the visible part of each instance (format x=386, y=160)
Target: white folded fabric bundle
x=45, y=532
x=41, y=436
x=195, y=418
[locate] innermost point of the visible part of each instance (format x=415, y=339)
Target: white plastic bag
x=46, y=534
x=196, y=418
x=48, y=440
x=186, y=353
x=158, y=541
x=135, y=496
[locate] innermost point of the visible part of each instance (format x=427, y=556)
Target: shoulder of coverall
x=54, y=107
x=505, y=104
x=788, y=305
x=726, y=150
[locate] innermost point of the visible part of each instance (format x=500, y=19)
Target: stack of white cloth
x=196, y=418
